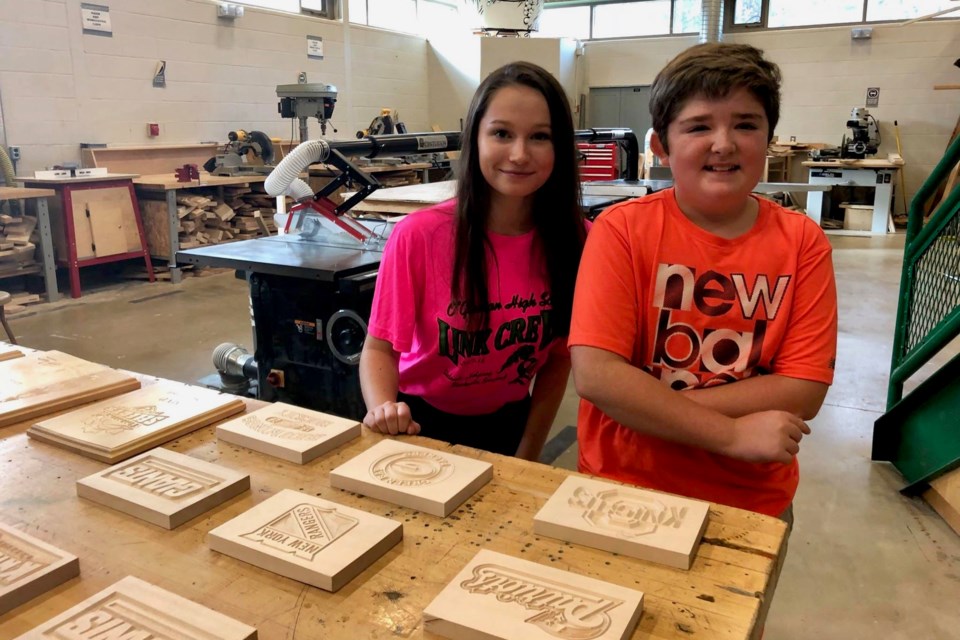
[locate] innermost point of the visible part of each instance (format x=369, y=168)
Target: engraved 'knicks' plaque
x=306, y=538
x=435, y=482
x=499, y=596
x=30, y=567
x=289, y=432
x=163, y=487
x=132, y=609
x=659, y=527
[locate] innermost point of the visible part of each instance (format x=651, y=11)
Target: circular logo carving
x=411, y=468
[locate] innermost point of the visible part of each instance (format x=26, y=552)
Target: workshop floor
x=864, y=561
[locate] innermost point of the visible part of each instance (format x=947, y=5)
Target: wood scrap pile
x=18, y=238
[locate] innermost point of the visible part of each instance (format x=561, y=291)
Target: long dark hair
x=557, y=215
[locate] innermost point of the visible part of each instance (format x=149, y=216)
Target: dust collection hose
x=235, y=365
x=6, y=168
x=285, y=179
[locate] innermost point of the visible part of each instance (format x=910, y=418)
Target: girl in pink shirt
x=474, y=295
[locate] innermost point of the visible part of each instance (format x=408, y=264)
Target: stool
x=5, y=298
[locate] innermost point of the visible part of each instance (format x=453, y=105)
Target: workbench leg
x=173, y=225
x=815, y=205
x=881, y=203
x=46, y=250
x=73, y=265
x=143, y=236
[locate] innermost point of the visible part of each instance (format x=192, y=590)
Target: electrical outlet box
x=14, y=153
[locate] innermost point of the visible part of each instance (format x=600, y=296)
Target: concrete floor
x=864, y=561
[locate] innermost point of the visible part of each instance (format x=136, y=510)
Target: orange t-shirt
x=693, y=310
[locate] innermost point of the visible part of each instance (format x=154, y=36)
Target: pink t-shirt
x=455, y=370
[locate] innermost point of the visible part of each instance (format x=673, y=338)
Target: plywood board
x=499, y=596
x=163, y=487
x=46, y=382
x=658, y=527
x=306, y=538
x=289, y=432
x=132, y=609
x=106, y=225
x=115, y=429
x=424, y=479
x=30, y=567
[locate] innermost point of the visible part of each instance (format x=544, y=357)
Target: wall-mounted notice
x=315, y=47
x=96, y=19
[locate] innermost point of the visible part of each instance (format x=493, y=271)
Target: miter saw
x=247, y=152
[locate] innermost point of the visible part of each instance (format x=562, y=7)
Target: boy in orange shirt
x=705, y=319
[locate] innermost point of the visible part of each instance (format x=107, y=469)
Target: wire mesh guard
x=936, y=291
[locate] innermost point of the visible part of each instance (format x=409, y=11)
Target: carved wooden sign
x=499, y=596
x=435, y=482
x=306, y=538
x=658, y=527
x=289, y=432
x=115, y=429
x=49, y=381
x=163, y=487
x=30, y=567
x=132, y=609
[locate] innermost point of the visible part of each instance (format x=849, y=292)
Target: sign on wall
x=95, y=19
x=315, y=47
x=873, y=97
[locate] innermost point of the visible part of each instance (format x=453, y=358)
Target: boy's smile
x=718, y=149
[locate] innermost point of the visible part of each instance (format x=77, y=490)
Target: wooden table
x=876, y=174
x=725, y=594
x=101, y=203
x=167, y=186
x=48, y=266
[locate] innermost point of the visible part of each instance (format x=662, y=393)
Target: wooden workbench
x=47, y=263
x=725, y=594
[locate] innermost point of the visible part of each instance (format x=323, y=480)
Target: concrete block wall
x=825, y=75
x=60, y=87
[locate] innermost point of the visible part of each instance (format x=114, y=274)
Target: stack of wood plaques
x=134, y=609
x=289, y=432
x=499, y=596
x=635, y=522
x=121, y=427
x=306, y=538
x=46, y=382
x=30, y=567
x=416, y=477
x=163, y=487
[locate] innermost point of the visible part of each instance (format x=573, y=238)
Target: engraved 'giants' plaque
x=163, y=487
x=132, y=609
x=435, y=482
x=658, y=527
x=306, y=538
x=499, y=596
x=30, y=567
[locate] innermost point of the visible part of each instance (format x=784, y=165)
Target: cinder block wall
x=825, y=74
x=60, y=87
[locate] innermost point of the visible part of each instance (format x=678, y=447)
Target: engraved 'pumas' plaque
x=132, y=609
x=163, y=487
x=658, y=527
x=289, y=432
x=30, y=567
x=435, y=482
x=306, y=538
x=499, y=596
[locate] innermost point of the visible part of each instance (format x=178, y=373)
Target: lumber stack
x=17, y=242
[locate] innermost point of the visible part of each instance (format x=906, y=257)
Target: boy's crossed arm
x=735, y=422
x=802, y=398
